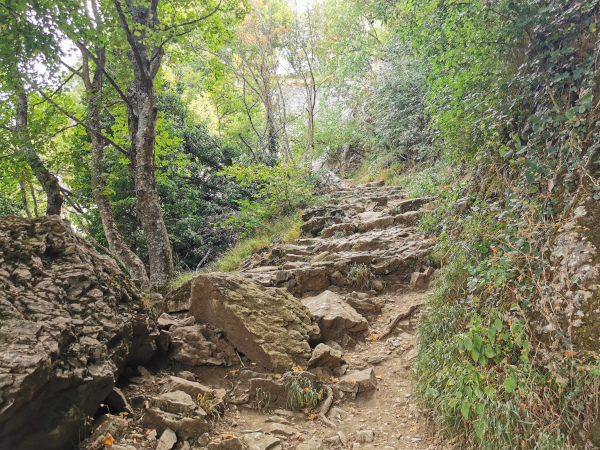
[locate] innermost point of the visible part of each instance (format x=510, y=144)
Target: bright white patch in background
x=300, y=5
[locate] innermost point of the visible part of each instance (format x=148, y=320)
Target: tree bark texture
x=119, y=249
x=49, y=182
x=142, y=118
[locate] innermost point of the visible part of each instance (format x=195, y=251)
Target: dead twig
x=325, y=408
x=397, y=319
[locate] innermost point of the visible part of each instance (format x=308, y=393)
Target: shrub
x=278, y=190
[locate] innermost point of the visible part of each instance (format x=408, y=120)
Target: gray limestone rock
x=70, y=322
x=325, y=356
x=270, y=326
x=334, y=316
x=177, y=411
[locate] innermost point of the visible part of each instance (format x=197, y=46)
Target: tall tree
x=23, y=44
x=254, y=61
x=304, y=53
x=95, y=103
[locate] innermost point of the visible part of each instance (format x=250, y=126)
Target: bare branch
x=249, y=146
x=110, y=79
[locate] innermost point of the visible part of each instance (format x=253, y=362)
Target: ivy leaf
x=465, y=409
x=480, y=409
x=479, y=427
x=498, y=325
x=468, y=343
x=510, y=383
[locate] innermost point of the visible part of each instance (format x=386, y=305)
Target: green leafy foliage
x=360, y=275
x=277, y=190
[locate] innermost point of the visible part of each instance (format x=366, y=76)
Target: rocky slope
x=236, y=348
x=70, y=321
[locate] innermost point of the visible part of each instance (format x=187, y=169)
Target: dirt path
x=388, y=414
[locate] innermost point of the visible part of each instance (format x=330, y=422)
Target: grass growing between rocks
x=282, y=230
x=360, y=276
x=303, y=394
x=417, y=180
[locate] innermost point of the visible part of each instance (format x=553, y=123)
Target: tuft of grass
x=302, y=393
x=360, y=276
x=284, y=230
x=181, y=279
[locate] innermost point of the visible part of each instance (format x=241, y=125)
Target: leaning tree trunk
x=23, y=186
x=116, y=244
x=49, y=182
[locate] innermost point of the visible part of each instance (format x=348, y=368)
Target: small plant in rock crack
x=263, y=399
x=303, y=393
x=339, y=234
x=328, y=223
x=360, y=276
x=207, y=403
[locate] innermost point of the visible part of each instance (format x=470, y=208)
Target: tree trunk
x=48, y=181
x=142, y=132
x=142, y=116
x=22, y=185
x=34, y=198
x=119, y=249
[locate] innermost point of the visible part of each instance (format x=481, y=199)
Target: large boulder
x=268, y=325
x=70, y=321
x=334, y=316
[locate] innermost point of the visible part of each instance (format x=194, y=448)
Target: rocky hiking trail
x=330, y=319
x=364, y=235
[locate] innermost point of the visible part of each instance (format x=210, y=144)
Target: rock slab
x=268, y=325
x=334, y=316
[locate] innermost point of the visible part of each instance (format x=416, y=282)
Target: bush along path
x=308, y=346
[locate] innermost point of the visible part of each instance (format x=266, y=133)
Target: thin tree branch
x=192, y=22
x=110, y=79
x=62, y=130
x=132, y=43
x=79, y=122
x=62, y=85
x=249, y=146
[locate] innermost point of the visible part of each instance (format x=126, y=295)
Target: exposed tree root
x=325, y=408
x=397, y=319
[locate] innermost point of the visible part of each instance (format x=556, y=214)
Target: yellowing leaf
x=297, y=369
x=108, y=440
